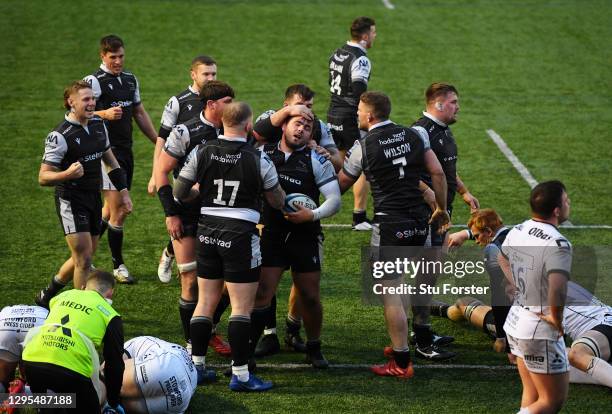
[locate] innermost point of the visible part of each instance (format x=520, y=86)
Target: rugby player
x=159, y=377
x=117, y=94
x=537, y=259
x=15, y=322
x=442, y=106
x=394, y=174
x=296, y=242
x=232, y=176
x=349, y=73
x=182, y=218
x=61, y=354
x=180, y=108
x=72, y=163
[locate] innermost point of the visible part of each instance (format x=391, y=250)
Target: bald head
x=237, y=119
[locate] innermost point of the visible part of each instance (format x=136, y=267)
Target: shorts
x=344, y=129
x=599, y=340
x=228, y=249
x=541, y=356
x=389, y=232
x=189, y=215
x=299, y=252
x=167, y=380
x=79, y=212
x=126, y=161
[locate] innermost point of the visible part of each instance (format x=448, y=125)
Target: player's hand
x=558, y=324
x=175, y=227
x=126, y=201
x=303, y=215
x=107, y=409
x=151, y=188
x=74, y=171
x=457, y=239
x=471, y=201
x=440, y=217
x=321, y=151
x=300, y=110
x=113, y=114
x=430, y=198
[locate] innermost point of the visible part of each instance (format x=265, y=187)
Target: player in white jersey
x=159, y=377
x=537, y=259
x=15, y=322
x=588, y=322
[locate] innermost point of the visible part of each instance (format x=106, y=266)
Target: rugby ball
x=293, y=200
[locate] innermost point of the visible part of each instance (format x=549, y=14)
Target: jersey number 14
x=335, y=84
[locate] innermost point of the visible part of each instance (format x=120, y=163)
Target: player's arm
x=50, y=172
x=457, y=238
x=360, y=73
x=117, y=176
x=279, y=117
x=113, y=360
x=438, y=182
x=273, y=192
x=352, y=168
x=168, y=120
x=184, y=185
x=557, y=264
x=428, y=195
x=143, y=120
x=468, y=198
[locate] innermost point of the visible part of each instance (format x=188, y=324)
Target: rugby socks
x=224, y=302
x=115, y=242
x=402, y=357
x=239, y=333
x=170, y=248
x=423, y=335
x=103, y=227
x=601, y=371
x=439, y=310
x=271, y=322
x=293, y=325
x=258, y=322
x=52, y=289
x=200, y=329
x=359, y=216
x=186, y=308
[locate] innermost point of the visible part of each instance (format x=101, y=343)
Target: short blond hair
x=74, y=87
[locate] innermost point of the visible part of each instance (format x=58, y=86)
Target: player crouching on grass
x=72, y=163
x=296, y=242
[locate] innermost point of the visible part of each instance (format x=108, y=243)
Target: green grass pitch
x=535, y=71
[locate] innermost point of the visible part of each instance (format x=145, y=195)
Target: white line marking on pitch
x=367, y=366
x=505, y=149
x=463, y=226
x=388, y=4
x=520, y=167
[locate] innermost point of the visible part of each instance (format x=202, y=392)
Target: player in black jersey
x=349, y=73
x=296, y=242
x=182, y=219
x=299, y=100
x=180, y=108
x=442, y=106
x=117, y=96
x=72, y=163
x=232, y=176
x=392, y=157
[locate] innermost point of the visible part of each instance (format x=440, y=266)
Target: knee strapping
x=187, y=267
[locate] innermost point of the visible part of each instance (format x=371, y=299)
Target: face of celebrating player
x=364, y=116
x=82, y=105
x=482, y=236
x=297, y=132
x=215, y=109
x=299, y=100
x=203, y=73
x=114, y=60
x=448, y=108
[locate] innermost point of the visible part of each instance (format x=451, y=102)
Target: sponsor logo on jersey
x=226, y=158
x=336, y=127
x=197, y=128
x=185, y=96
x=92, y=157
x=290, y=179
x=213, y=240
x=534, y=358
x=122, y=104
x=78, y=140
x=395, y=138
